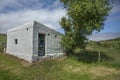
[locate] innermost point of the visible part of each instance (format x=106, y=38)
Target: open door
x=41, y=44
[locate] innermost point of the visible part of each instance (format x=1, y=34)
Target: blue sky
x=47, y=12
x=112, y=24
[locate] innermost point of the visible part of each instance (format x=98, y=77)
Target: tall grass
x=111, y=49
x=86, y=68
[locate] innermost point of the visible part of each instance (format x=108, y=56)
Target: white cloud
x=48, y=13
x=48, y=17
x=55, y=4
x=115, y=12
x=115, y=9
x=4, y=3
x=8, y=5
x=113, y=18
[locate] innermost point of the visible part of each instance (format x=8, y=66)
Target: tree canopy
x=82, y=18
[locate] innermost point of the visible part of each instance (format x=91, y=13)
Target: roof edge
x=21, y=26
x=35, y=22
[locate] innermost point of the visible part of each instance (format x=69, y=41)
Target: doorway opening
x=41, y=44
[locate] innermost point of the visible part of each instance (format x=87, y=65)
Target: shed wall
x=23, y=48
x=27, y=44
x=52, y=39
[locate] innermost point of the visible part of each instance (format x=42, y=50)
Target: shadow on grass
x=92, y=56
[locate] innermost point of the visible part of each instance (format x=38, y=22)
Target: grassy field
x=3, y=39
x=62, y=69
x=86, y=67
x=110, y=52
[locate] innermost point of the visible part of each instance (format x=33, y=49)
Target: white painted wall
x=27, y=36
x=24, y=47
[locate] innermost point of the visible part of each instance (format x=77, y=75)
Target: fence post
x=99, y=56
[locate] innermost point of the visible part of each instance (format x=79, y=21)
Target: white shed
x=33, y=41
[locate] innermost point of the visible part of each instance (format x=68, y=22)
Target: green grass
x=87, y=68
x=3, y=39
x=63, y=69
x=47, y=70
x=110, y=49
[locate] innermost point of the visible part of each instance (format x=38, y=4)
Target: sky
x=48, y=12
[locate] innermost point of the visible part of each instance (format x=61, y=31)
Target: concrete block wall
x=23, y=48
x=27, y=38
x=52, y=40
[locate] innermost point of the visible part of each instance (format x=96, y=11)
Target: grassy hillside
x=87, y=68
x=110, y=52
x=3, y=40
x=64, y=69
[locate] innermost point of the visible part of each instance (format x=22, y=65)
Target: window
x=27, y=29
x=16, y=41
x=48, y=34
x=55, y=36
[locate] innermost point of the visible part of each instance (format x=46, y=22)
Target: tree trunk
x=99, y=56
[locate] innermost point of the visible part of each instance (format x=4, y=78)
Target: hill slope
x=3, y=40
x=87, y=68
x=104, y=36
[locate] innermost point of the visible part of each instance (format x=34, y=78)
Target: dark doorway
x=41, y=44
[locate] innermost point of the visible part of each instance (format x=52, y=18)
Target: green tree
x=82, y=18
